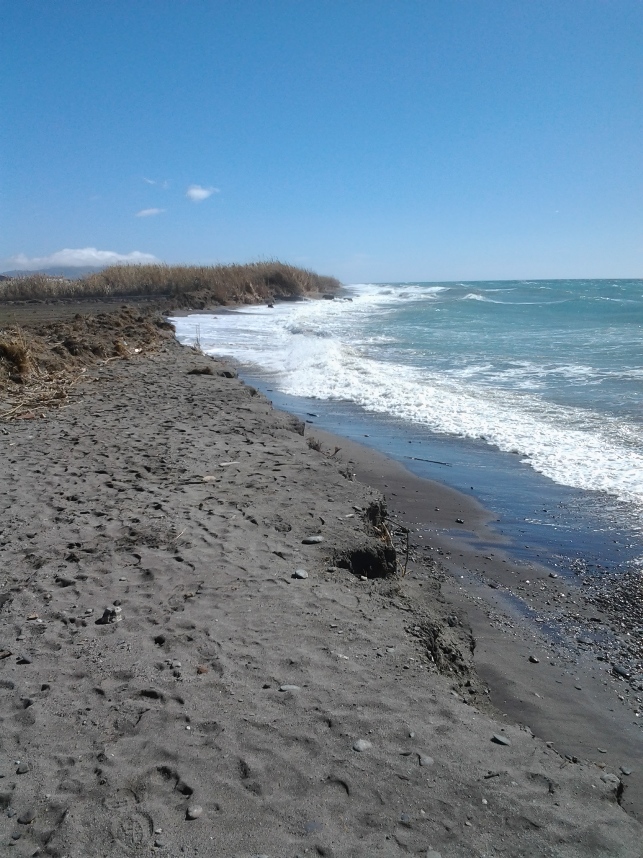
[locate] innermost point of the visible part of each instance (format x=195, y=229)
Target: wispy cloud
x=197, y=193
x=77, y=258
x=149, y=212
x=164, y=185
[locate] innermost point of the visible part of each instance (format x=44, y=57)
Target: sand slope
x=228, y=684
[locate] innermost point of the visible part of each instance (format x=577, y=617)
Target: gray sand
x=230, y=708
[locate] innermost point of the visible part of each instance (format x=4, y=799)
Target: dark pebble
x=24, y=660
x=27, y=817
x=534, y=660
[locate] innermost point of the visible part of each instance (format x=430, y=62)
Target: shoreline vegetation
x=197, y=285
x=229, y=595
x=39, y=364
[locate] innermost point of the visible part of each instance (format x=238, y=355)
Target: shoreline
x=202, y=571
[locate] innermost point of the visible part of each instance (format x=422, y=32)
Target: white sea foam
x=331, y=350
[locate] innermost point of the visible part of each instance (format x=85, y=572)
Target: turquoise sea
x=527, y=394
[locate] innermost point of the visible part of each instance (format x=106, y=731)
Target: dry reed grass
x=40, y=366
x=220, y=284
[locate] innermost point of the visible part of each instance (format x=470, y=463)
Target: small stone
x=23, y=660
x=313, y=540
x=27, y=816
x=291, y=688
x=300, y=573
x=110, y=615
x=553, y=575
x=621, y=671
x=500, y=740
x=611, y=780
x=313, y=826
x=534, y=660
x=601, y=750
x=362, y=745
x=459, y=521
x=433, y=854
x=194, y=811
x=625, y=771
x=22, y=769
x=426, y=760
x=159, y=843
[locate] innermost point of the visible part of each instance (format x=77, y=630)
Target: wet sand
x=161, y=662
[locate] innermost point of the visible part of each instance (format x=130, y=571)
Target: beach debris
x=300, y=573
x=312, y=540
x=194, y=811
x=362, y=745
x=500, y=740
x=110, y=615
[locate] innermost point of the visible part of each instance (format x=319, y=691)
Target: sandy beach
x=209, y=648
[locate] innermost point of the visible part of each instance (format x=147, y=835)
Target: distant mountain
x=68, y=272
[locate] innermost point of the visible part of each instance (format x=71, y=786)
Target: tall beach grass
x=218, y=284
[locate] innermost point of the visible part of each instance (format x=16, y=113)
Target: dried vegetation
x=185, y=285
x=39, y=366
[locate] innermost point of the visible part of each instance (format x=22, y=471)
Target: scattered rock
x=194, y=811
x=291, y=688
x=27, y=816
x=621, y=671
x=312, y=540
x=426, y=760
x=300, y=573
x=459, y=521
x=611, y=780
x=534, y=660
x=110, y=615
x=625, y=771
x=22, y=769
x=500, y=740
x=362, y=745
x=23, y=660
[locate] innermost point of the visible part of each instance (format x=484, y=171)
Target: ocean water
x=532, y=390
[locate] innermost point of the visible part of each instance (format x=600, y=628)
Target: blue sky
x=397, y=140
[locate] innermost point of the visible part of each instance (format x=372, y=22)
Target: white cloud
x=197, y=193
x=149, y=212
x=80, y=257
x=164, y=184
